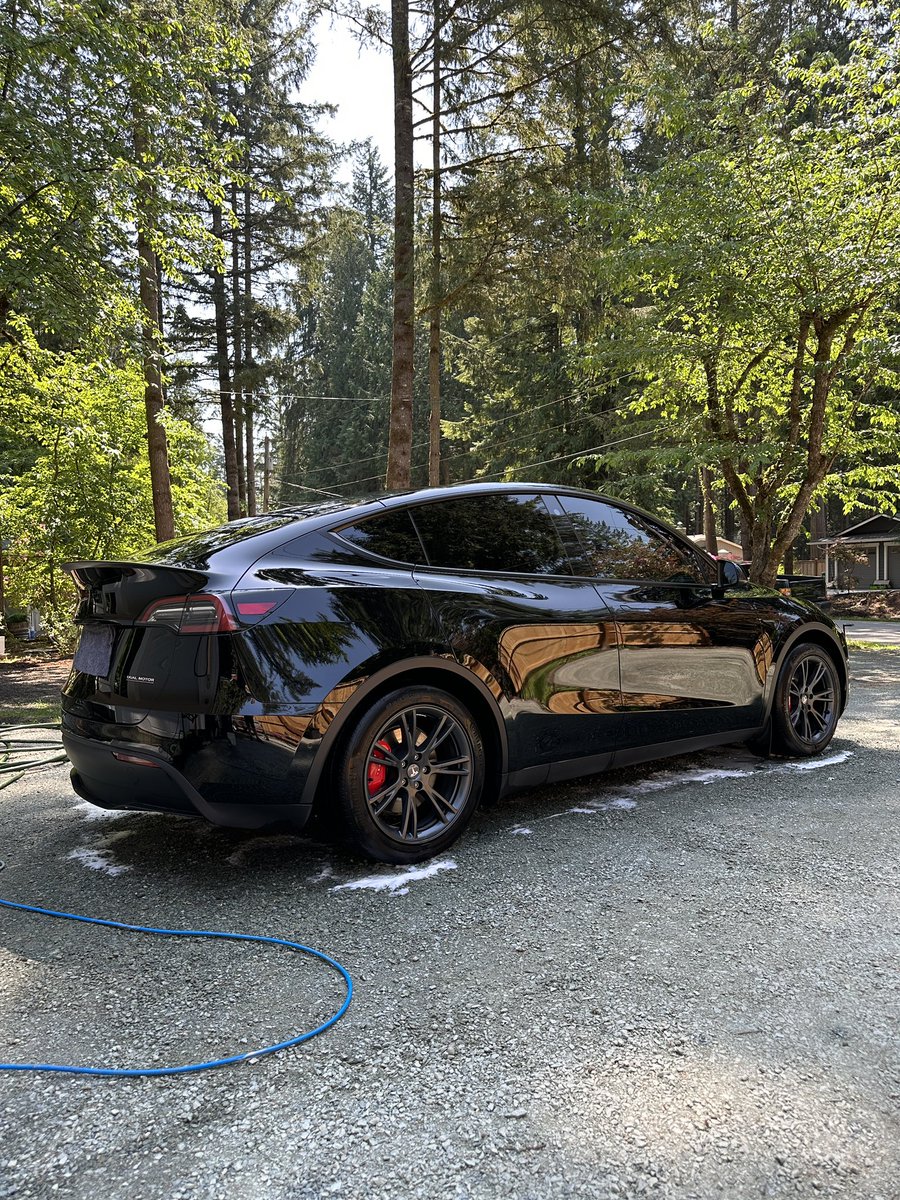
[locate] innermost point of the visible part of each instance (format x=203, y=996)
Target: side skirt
x=572, y=768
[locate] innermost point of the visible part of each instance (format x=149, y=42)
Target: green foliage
x=757, y=269
x=87, y=492
x=79, y=80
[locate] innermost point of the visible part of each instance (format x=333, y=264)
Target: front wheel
x=807, y=702
x=410, y=775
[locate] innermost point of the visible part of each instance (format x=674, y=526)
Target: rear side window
x=506, y=533
x=611, y=543
x=389, y=535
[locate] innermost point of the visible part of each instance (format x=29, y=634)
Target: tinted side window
x=616, y=544
x=492, y=533
x=390, y=535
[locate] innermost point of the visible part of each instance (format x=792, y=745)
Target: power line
x=563, y=457
x=353, y=462
x=527, y=466
x=318, y=491
x=211, y=397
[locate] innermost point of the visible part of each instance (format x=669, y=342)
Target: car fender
x=352, y=696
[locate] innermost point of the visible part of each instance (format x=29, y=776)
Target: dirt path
x=29, y=685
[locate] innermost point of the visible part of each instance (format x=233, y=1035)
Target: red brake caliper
x=377, y=774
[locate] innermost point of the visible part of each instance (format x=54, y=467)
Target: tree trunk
x=267, y=471
x=220, y=309
x=237, y=341
x=709, y=512
x=434, y=327
x=148, y=292
x=248, y=354
x=400, y=440
x=817, y=465
x=746, y=545
x=251, y=456
x=727, y=516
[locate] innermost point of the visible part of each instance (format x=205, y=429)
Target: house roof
x=883, y=527
x=881, y=522
x=859, y=539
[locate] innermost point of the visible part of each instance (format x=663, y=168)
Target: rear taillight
x=190, y=614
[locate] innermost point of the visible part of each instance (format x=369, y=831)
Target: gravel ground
x=676, y=981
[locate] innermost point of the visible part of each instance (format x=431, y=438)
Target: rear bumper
x=154, y=784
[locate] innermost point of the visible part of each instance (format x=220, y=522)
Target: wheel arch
x=817, y=635
x=428, y=671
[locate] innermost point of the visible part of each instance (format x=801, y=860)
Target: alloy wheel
x=418, y=774
x=811, y=698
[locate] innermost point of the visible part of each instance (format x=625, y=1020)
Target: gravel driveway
x=676, y=981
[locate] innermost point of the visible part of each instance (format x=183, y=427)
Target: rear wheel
x=411, y=775
x=807, y=702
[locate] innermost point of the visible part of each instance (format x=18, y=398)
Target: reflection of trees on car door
x=693, y=663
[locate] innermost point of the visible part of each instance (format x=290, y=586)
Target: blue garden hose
x=186, y=1068
x=16, y=770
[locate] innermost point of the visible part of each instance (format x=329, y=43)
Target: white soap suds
x=91, y=812
x=97, y=860
x=398, y=883
x=813, y=764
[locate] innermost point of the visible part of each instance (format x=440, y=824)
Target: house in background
x=727, y=549
x=866, y=555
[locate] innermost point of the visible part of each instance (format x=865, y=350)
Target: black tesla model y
x=392, y=662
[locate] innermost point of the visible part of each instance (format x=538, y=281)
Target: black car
x=391, y=662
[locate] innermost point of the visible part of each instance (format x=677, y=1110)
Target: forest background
x=647, y=248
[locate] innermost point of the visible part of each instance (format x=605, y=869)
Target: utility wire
x=484, y=421
x=564, y=457
x=318, y=491
x=526, y=466
x=211, y=397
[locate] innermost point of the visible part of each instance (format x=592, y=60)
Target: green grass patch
x=42, y=712
x=852, y=644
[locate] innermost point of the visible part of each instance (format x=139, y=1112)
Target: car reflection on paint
x=392, y=662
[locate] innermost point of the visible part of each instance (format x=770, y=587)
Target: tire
x=410, y=775
x=806, y=706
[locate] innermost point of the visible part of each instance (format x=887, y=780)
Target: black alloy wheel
x=807, y=702
x=411, y=775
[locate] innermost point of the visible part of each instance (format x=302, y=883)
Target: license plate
x=94, y=653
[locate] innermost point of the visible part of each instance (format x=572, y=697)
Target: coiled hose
x=12, y=746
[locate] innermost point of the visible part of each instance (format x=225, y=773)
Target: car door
x=693, y=661
x=502, y=587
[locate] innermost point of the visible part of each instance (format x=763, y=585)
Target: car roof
x=455, y=490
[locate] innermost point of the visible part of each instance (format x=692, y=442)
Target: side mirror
x=728, y=574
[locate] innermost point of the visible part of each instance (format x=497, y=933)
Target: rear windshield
x=196, y=549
